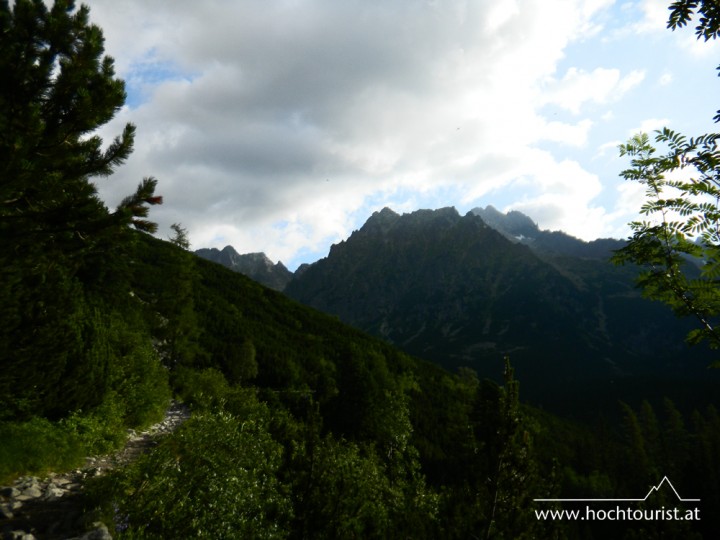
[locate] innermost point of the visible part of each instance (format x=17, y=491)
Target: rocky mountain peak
x=380, y=221
x=257, y=266
x=466, y=291
x=513, y=224
x=387, y=219
x=517, y=227
x=385, y=214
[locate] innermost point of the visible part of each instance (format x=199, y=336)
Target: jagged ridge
x=256, y=266
x=457, y=291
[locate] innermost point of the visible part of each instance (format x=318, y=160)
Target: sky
x=281, y=126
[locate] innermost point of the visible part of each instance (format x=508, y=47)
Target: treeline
x=623, y=459
x=369, y=442
x=302, y=427
x=306, y=428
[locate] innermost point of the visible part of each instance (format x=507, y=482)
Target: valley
x=466, y=291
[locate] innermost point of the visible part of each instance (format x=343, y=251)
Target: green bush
x=345, y=495
x=203, y=389
x=208, y=390
x=138, y=377
x=214, y=478
x=39, y=445
x=101, y=431
x=136, y=394
x=36, y=447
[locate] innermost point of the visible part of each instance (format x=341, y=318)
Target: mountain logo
x=652, y=490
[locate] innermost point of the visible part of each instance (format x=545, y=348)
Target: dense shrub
x=214, y=478
x=131, y=390
x=37, y=446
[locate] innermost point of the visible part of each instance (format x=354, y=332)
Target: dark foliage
x=453, y=290
x=302, y=427
x=62, y=253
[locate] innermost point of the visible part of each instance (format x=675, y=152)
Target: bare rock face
x=256, y=266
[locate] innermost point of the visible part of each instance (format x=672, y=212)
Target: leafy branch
x=683, y=224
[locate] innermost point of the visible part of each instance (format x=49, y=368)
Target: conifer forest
x=301, y=426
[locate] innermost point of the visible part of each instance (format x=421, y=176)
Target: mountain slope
x=453, y=290
x=433, y=278
x=517, y=227
x=256, y=266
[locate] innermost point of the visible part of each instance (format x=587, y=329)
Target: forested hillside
x=454, y=290
x=301, y=426
x=305, y=427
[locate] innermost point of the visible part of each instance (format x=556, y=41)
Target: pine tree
x=61, y=249
x=637, y=465
x=57, y=89
x=514, y=476
x=180, y=238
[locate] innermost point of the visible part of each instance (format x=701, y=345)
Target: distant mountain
x=256, y=266
x=455, y=290
x=517, y=227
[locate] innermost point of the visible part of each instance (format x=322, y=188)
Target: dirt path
x=50, y=508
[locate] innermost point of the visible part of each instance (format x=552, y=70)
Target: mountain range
x=256, y=266
x=466, y=291
x=517, y=227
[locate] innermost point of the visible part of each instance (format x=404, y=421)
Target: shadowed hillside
x=452, y=289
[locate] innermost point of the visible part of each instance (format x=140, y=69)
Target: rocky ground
x=51, y=508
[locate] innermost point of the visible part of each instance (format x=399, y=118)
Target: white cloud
x=649, y=125
x=271, y=126
x=627, y=83
x=654, y=16
x=698, y=47
x=564, y=201
x=571, y=134
x=501, y=13
x=556, y=194
x=608, y=147
x=654, y=20
x=578, y=87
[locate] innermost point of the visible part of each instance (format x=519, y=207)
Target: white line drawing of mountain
x=653, y=489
